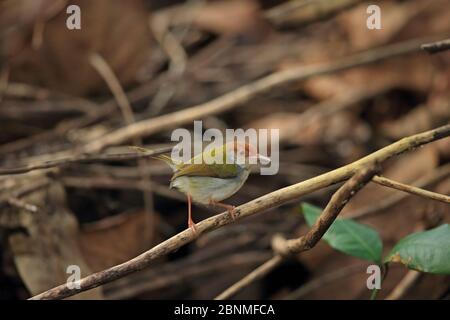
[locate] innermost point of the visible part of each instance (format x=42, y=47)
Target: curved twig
x=285, y=248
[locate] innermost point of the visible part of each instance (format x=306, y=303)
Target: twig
x=160, y=27
x=331, y=211
x=306, y=11
x=404, y=285
x=18, y=203
x=105, y=71
x=245, y=93
x=288, y=247
x=260, y=204
x=85, y=158
x=24, y=190
x=256, y=274
x=431, y=178
x=410, y=189
x=436, y=46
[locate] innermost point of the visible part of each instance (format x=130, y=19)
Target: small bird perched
x=207, y=182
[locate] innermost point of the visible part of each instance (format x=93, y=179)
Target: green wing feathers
x=202, y=169
x=207, y=170
x=214, y=170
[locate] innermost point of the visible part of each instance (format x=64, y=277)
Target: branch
x=410, y=189
x=431, y=178
x=256, y=274
x=331, y=211
x=84, y=158
x=301, y=12
x=404, y=285
x=243, y=94
x=436, y=47
x=265, y=202
x=315, y=233
x=23, y=191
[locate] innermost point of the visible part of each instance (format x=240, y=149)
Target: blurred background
x=60, y=90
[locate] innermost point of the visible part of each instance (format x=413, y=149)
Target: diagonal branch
x=431, y=178
x=260, y=204
x=308, y=241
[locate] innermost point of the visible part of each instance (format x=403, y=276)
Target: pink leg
x=191, y=223
x=231, y=209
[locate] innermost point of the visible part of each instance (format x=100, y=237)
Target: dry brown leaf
x=113, y=240
x=116, y=30
x=43, y=255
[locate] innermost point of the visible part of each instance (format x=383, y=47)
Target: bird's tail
x=168, y=160
x=162, y=157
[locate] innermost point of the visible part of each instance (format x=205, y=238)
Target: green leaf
x=427, y=251
x=348, y=236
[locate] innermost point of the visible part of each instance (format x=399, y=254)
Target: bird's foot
x=192, y=226
x=230, y=208
x=232, y=212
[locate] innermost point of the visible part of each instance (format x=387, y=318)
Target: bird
x=208, y=182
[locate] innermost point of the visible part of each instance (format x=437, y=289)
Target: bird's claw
x=232, y=212
x=192, y=226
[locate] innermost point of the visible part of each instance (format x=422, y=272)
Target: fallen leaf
x=116, y=30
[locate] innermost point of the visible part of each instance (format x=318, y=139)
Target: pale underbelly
x=205, y=189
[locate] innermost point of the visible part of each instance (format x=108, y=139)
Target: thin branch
x=433, y=177
x=243, y=94
x=410, y=189
x=18, y=203
x=24, y=190
x=260, y=204
x=256, y=274
x=285, y=248
x=337, y=202
x=85, y=158
x=404, y=285
x=436, y=47
x=105, y=71
x=301, y=12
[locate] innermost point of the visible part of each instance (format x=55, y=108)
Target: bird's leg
x=231, y=209
x=191, y=223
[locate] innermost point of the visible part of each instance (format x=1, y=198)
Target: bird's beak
x=264, y=159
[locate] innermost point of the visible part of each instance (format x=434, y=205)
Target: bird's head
x=244, y=154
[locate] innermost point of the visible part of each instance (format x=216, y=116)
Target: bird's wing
x=203, y=169
x=223, y=171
